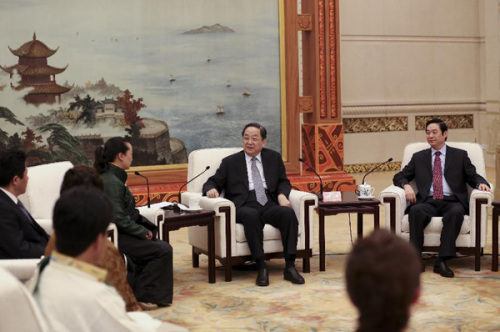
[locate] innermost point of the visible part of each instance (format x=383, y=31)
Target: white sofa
x=472, y=237
x=230, y=242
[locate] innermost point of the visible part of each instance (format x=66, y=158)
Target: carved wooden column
x=322, y=131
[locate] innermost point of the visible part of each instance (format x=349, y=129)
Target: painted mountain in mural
x=216, y=28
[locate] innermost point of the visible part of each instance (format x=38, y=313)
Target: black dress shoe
x=441, y=268
x=291, y=274
x=262, y=277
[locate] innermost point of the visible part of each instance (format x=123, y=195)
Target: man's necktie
x=260, y=192
x=23, y=209
x=437, y=175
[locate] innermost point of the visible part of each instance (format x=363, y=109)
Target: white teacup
x=365, y=190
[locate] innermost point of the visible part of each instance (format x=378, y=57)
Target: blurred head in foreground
x=383, y=281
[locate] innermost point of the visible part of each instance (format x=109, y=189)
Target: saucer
x=366, y=197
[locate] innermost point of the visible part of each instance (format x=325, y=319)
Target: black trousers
x=452, y=212
x=150, y=269
x=254, y=217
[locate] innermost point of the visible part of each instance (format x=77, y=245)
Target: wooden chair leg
x=306, y=265
x=477, y=261
x=228, y=270
x=196, y=258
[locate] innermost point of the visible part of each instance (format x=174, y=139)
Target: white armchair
x=41, y=194
x=230, y=242
x=472, y=237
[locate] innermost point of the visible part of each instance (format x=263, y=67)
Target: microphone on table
x=320, y=194
x=147, y=185
x=374, y=168
x=185, y=184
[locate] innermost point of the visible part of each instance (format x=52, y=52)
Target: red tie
x=437, y=175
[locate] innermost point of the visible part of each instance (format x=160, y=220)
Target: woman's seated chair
x=231, y=246
x=472, y=235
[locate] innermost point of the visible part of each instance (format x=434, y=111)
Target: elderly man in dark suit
x=255, y=181
x=441, y=174
x=20, y=235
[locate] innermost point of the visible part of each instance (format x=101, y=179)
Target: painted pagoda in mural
x=37, y=77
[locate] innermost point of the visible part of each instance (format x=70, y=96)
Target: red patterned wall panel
x=337, y=182
x=323, y=147
x=309, y=145
x=330, y=148
x=158, y=193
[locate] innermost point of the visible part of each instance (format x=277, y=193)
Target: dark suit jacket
x=19, y=236
x=458, y=171
x=232, y=176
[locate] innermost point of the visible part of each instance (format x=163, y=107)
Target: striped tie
x=260, y=192
x=437, y=175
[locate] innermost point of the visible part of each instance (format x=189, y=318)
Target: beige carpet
x=468, y=302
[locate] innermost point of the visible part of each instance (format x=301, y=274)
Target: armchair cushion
x=270, y=233
x=436, y=225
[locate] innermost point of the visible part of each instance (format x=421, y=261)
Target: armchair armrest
x=113, y=234
x=207, y=203
x=304, y=211
x=478, y=214
x=225, y=227
x=225, y=224
x=297, y=198
x=154, y=213
x=394, y=200
x=23, y=269
x=479, y=194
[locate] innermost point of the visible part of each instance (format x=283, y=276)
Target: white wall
x=407, y=58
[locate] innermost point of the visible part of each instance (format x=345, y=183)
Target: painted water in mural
x=173, y=76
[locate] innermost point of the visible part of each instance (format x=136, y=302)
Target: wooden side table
x=174, y=220
x=494, y=235
x=349, y=203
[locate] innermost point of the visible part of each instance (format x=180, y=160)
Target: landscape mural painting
x=171, y=75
